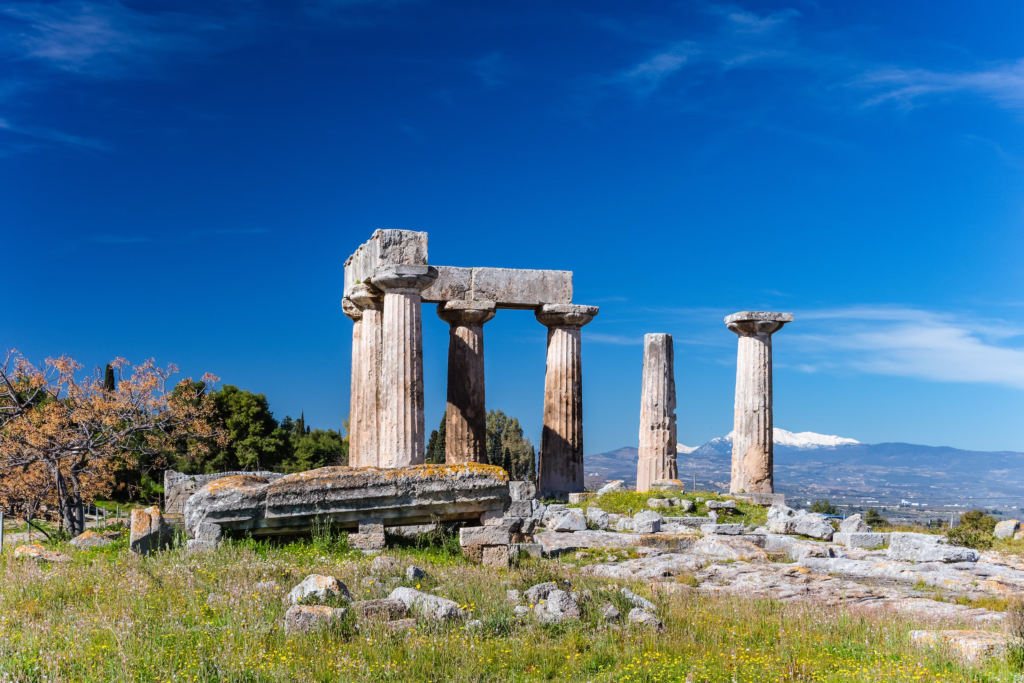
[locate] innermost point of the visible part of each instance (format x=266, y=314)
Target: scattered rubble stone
x=721, y=505
x=647, y=522
x=726, y=529
x=814, y=526
x=642, y=617
x=854, y=524
x=512, y=596
x=1006, y=528
x=382, y=564
x=668, y=485
x=642, y=603
x=611, y=614
x=149, y=531
x=496, y=556
x=400, y=625
x=972, y=646
x=37, y=552
x=557, y=607
x=571, y=519
x=413, y=573
x=521, y=610
x=90, y=539
x=522, y=490
x=308, y=618
x=598, y=517
x=319, y=587
x=384, y=609
x=535, y=594
x=617, y=485
x=431, y=606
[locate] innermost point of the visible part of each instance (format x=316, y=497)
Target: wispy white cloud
x=911, y=342
x=48, y=135
x=618, y=339
x=1001, y=83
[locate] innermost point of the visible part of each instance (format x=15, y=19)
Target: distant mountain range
x=812, y=466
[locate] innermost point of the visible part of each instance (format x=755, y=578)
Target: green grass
x=622, y=502
x=109, y=615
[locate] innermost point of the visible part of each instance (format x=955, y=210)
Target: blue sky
x=185, y=180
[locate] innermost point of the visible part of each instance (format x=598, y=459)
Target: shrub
x=873, y=518
x=970, y=538
x=824, y=507
x=977, y=520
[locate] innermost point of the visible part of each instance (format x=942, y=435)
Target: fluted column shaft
x=657, y=413
x=402, y=425
x=466, y=414
x=561, y=442
x=356, y=395
x=365, y=418
x=753, y=466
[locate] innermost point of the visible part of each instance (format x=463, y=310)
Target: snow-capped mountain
x=680, y=448
x=803, y=440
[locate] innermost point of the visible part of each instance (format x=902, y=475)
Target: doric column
x=356, y=396
x=561, y=442
x=401, y=426
x=657, y=413
x=752, y=444
x=466, y=416
x=364, y=421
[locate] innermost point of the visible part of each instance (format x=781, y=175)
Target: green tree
x=824, y=507
x=872, y=518
x=436, y=453
x=506, y=446
x=316, y=448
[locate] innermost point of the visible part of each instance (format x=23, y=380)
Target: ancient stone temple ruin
x=387, y=280
x=752, y=443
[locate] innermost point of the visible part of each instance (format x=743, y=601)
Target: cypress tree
x=506, y=462
x=436, y=453
x=300, y=424
x=108, y=378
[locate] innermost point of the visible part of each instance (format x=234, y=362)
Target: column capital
x=466, y=312
x=365, y=296
x=351, y=310
x=752, y=323
x=403, y=278
x=565, y=315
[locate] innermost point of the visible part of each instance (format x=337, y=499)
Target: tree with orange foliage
x=80, y=432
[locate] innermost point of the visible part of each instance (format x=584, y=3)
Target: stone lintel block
x=758, y=317
x=506, y=287
x=484, y=535
x=725, y=529
x=860, y=539
x=689, y=521
x=580, y=497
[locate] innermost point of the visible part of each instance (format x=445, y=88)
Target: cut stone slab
x=522, y=490
x=430, y=606
x=570, y=520
x=617, y=485
x=534, y=594
x=179, y=487
x=531, y=549
x=721, y=505
x=647, y=522
x=576, y=498
x=308, y=618
x=801, y=549
x=90, y=539
x=384, y=609
x=496, y=556
x=910, y=547
x=598, y=517
x=725, y=548
x=642, y=603
x=667, y=485
x=694, y=522
x=484, y=535
x=520, y=508
x=854, y=524
x=814, y=526
x=972, y=646
x=554, y=543
x=869, y=540
x=642, y=617
x=762, y=499
x=1007, y=528
x=343, y=496
x=725, y=529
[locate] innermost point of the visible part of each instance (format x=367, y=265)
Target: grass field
x=109, y=615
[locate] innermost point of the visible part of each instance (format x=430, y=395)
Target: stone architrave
x=402, y=441
x=561, y=442
x=752, y=445
x=364, y=427
x=355, y=314
x=657, y=413
x=466, y=416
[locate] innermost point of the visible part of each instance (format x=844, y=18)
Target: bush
x=970, y=538
x=873, y=518
x=977, y=520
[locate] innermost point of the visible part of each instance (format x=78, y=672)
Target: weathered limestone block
x=178, y=487
x=507, y=287
x=598, y=518
x=647, y=522
x=484, y=535
x=1007, y=528
x=724, y=529
x=726, y=548
x=385, y=248
x=561, y=443
x=309, y=618
x=319, y=588
x=571, y=519
x=149, y=531
x=90, y=539
x=497, y=556
x=969, y=645
x=644, y=618
x=721, y=505
x=345, y=495
x=429, y=606
x=522, y=490
x=752, y=445
x=854, y=524
x=466, y=415
x=672, y=485
x=910, y=547
x=814, y=526
x=557, y=607
x=612, y=486
x=657, y=413
x=384, y=609
x=402, y=428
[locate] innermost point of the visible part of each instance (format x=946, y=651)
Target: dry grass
x=112, y=616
